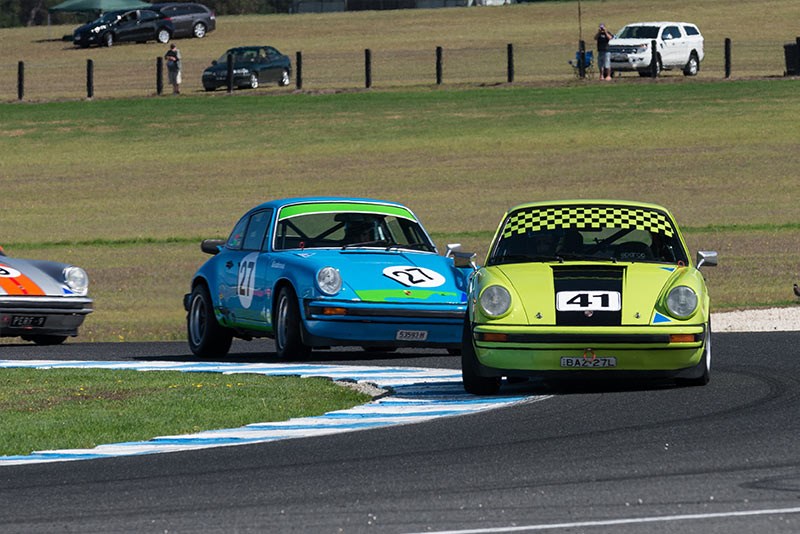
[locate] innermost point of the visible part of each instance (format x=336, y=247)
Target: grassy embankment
x=77, y=408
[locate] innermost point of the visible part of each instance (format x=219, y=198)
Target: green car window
x=588, y=233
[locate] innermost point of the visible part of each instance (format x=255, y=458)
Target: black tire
x=692, y=66
x=46, y=339
x=705, y=364
x=199, y=30
x=163, y=36
x=209, y=88
x=206, y=337
x=473, y=382
x=253, y=83
x=285, y=78
x=108, y=40
x=288, y=335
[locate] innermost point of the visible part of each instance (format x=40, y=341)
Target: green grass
x=111, y=186
x=83, y=408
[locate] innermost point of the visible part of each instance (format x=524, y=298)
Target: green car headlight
x=329, y=280
x=77, y=280
x=682, y=301
x=495, y=301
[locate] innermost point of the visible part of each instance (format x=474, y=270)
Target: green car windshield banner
x=349, y=207
x=579, y=217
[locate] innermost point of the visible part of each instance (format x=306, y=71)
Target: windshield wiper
x=411, y=246
x=523, y=258
x=373, y=243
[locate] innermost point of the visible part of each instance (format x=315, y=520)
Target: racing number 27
x=246, y=272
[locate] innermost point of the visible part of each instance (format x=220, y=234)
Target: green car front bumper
x=532, y=351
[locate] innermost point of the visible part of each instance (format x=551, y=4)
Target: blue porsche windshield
x=588, y=233
x=350, y=230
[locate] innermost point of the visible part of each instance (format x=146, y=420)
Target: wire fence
x=67, y=78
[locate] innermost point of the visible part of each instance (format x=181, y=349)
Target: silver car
x=42, y=301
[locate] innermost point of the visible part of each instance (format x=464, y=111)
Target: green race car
x=587, y=289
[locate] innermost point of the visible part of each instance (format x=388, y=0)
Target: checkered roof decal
x=579, y=217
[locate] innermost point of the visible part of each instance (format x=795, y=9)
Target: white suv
x=679, y=45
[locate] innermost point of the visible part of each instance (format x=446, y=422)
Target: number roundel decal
x=411, y=276
x=8, y=272
x=247, y=279
x=588, y=301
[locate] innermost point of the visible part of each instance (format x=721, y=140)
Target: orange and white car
x=42, y=301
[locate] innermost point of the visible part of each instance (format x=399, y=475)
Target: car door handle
x=229, y=264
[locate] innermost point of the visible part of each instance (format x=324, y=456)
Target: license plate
x=591, y=363
x=619, y=57
x=411, y=335
x=27, y=320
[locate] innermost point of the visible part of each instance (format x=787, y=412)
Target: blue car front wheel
x=288, y=337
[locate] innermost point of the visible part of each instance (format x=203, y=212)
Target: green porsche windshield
x=588, y=233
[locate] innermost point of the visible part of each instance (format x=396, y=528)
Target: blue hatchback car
x=322, y=272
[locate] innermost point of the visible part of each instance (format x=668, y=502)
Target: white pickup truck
x=679, y=45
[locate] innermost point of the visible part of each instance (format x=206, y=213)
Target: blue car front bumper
x=385, y=325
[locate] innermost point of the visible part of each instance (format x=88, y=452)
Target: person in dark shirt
x=603, y=55
x=173, y=57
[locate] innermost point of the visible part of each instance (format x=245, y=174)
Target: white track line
x=418, y=394
x=617, y=522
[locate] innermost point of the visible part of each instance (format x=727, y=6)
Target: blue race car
x=321, y=272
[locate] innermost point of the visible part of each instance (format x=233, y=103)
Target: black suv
x=140, y=25
x=189, y=19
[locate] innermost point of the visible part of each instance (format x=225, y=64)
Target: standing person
x=173, y=57
x=603, y=55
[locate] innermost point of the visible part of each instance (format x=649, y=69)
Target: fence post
x=89, y=78
x=727, y=57
x=510, y=54
x=654, y=59
x=299, y=67
x=438, y=65
x=159, y=75
x=582, y=59
x=229, y=77
x=367, y=68
x=20, y=80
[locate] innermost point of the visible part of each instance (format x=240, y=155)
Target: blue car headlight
x=329, y=280
x=682, y=301
x=77, y=280
x=495, y=301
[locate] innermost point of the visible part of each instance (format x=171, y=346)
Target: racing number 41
x=588, y=300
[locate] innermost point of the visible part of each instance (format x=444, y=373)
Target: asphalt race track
x=724, y=458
